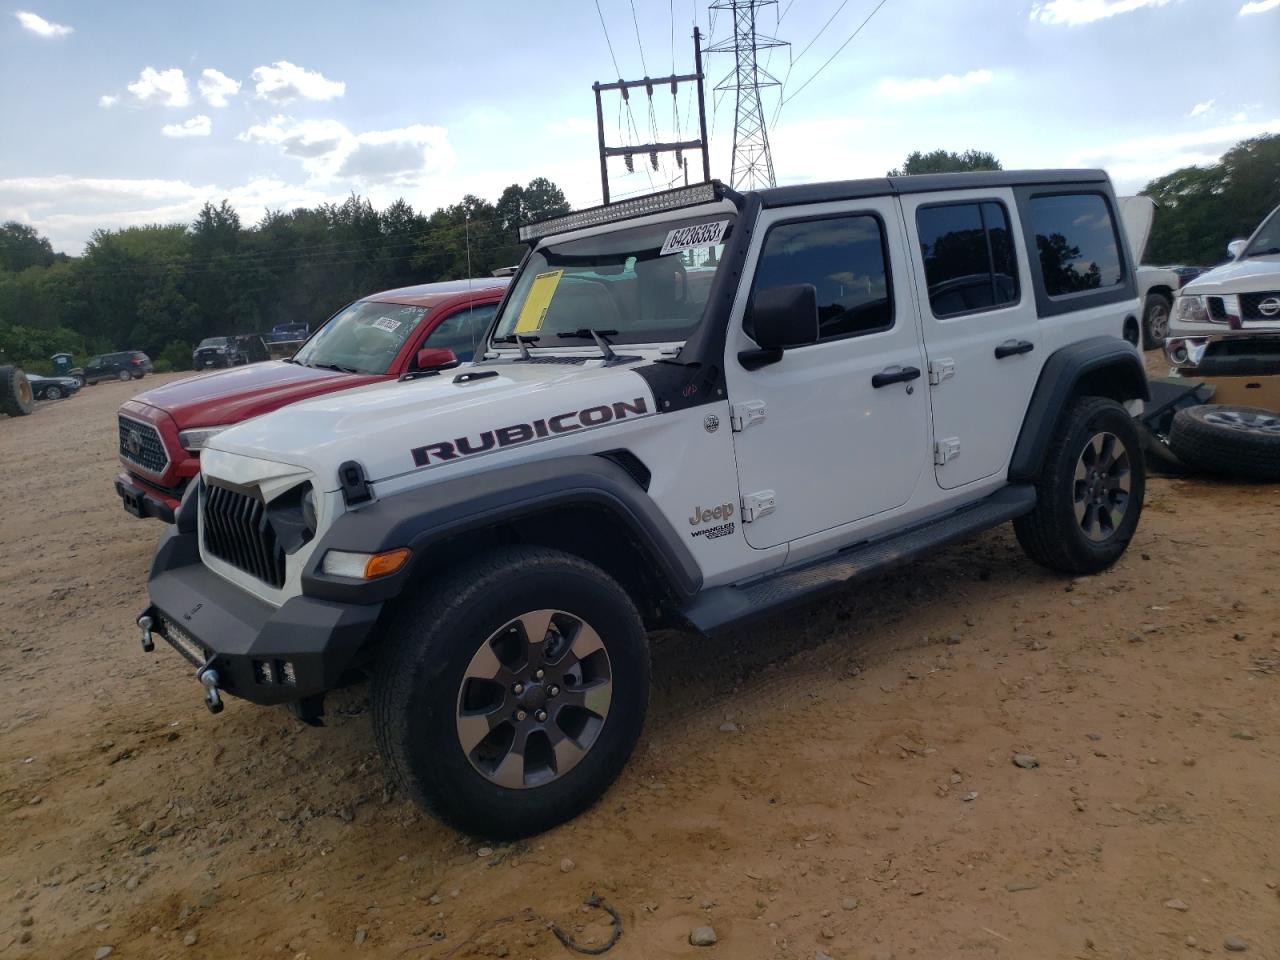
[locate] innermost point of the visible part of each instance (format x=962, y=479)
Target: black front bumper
x=141, y=502
x=249, y=642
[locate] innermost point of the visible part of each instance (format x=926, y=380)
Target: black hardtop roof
x=827, y=191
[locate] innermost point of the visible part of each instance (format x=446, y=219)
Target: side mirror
x=1236, y=247
x=436, y=358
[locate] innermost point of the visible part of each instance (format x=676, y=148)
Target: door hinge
x=743, y=415
x=757, y=505
x=946, y=449
x=940, y=370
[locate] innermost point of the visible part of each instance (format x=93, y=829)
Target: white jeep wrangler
x=694, y=408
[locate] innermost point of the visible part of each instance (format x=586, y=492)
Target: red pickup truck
x=377, y=338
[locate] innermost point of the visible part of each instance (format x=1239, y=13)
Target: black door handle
x=895, y=375
x=1012, y=347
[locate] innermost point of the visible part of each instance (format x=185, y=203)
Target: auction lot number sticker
x=698, y=235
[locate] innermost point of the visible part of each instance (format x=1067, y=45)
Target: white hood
x=1255, y=275
x=1138, y=213
x=381, y=426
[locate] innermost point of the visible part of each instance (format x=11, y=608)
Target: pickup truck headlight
x=195, y=440
x=1190, y=308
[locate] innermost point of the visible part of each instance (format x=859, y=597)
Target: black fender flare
x=1086, y=362
x=426, y=515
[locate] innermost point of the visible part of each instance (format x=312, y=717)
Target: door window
x=968, y=257
x=845, y=258
x=1076, y=240
x=462, y=331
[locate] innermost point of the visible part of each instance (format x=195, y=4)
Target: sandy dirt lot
x=837, y=781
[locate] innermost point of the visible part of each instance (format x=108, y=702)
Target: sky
x=139, y=112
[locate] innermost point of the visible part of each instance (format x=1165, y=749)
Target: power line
x=782, y=93
x=617, y=69
x=834, y=55
x=638, y=43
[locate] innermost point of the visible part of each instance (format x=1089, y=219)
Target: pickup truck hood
x=238, y=393
x=436, y=422
x=1255, y=275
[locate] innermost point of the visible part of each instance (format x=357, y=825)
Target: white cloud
x=1073, y=13
x=200, y=126
x=216, y=87
x=1134, y=162
x=1201, y=108
x=919, y=87
x=1253, y=6
x=108, y=100
x=284, y=82
x=38, y=24
x=329, y=150
x=163, y=86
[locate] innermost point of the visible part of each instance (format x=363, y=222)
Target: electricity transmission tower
x=752, y=163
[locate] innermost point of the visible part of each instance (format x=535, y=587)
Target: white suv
x=1226, y=323
x=694, y=408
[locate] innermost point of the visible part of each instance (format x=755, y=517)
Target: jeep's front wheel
x=509, y=697
x=1090, y=490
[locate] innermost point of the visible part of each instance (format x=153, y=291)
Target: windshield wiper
x=1269, y=252
x=522, y=340
x=334, y=366
x=598, y=336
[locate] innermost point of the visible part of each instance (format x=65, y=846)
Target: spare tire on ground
x=16, y=398
x=1229, y=440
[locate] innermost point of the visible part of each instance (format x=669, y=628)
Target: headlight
x=194, y=440
x=1190, y=309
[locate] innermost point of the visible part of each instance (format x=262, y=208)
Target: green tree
x=1202, y=209
x=944, y=161
x=22, y=246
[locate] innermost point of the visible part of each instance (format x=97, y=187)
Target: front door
x=980, y=329
x=838, y=430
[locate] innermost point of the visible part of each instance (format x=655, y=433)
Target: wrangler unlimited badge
x=524, y=432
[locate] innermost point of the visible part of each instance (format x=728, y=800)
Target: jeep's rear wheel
x=1090, y=490
x=508, y=698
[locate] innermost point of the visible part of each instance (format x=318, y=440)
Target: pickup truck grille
x=1251, y=306
x=140, y=444
x=236, y=530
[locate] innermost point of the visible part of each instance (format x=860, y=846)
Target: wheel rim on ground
x=53, y=393
x=534, y=699
x=1158, y=321
x=1250, y=420
x=1101, y=494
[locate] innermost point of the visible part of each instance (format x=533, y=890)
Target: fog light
x=287, y=673
x=262, y=671
x=364, y=566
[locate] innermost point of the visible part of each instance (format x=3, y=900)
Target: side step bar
x=720, y=607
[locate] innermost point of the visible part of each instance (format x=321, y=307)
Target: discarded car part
x=1230, y=440
x=1259, y=391
x=16, y=397
x=1168, y=396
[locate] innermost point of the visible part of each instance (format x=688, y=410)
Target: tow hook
x=144, y=624
x=209, y=679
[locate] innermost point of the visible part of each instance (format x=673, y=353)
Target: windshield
x=212, y=342
x=364, y=338
x=1267, y=239
x=639, y=285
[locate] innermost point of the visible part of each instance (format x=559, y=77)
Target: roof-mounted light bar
x=626, y=209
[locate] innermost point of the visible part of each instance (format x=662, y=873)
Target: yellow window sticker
x=539, y=301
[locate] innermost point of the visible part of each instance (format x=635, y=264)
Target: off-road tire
x=16, y=398
x=1051, y=534
x=1155, y=320
x=1202, y=438
x=428, y=643
x=124, y=376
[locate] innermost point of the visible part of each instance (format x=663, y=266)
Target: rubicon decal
x=518, y=433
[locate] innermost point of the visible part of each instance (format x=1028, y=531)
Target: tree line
x=162, y=288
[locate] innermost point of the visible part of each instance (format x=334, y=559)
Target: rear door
x=981, y=334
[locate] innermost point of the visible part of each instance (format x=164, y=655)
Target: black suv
x=229, y=352
x=125, y=365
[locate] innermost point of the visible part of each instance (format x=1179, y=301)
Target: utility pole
x=653, y=149
x=752, y=164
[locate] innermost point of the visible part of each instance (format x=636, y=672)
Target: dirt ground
x=837, y=780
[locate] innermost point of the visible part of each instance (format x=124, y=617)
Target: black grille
x=141, y=444
x=236, y=529
x=1251, y=303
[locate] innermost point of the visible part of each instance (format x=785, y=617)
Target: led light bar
x=625, y=210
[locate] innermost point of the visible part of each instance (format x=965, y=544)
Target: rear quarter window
x=1075, y=238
